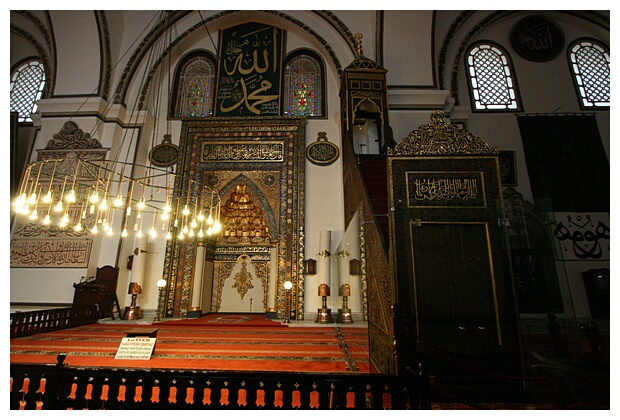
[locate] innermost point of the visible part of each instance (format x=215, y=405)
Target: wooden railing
x=61, y=387
x=35, y=322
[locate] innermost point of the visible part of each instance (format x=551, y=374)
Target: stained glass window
x=491, y=79
x=195, y=86
x=590, y=63
x=27, y=83
x=303, y=85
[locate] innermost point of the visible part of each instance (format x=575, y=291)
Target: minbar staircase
x=374, y=172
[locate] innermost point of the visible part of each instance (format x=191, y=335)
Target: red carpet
x=215, y=342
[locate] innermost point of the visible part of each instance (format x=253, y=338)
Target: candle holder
x=161, y=284
x=133, y=311
x=287, y=303
x=344, y=313
x=324, y=313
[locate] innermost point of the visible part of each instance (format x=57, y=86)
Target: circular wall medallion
x=537, y=38
x=322, y=152
x=164, y=154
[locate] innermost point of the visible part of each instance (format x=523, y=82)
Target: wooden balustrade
x=35, y=322
x=60, y=387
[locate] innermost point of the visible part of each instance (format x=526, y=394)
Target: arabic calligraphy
x=243, y=152
x=537, y=38
x=446, y=189
x=585, y=241
x=249, y=81
x=50, y=253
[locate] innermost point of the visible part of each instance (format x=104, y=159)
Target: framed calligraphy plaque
x=322, y=153
x=537, y=38
x=50, y=253
x=248, y=81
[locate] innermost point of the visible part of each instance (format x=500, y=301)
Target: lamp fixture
x=81, y=194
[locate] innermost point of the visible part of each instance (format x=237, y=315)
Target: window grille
x=491, y=79
x=590, y=64
x=27, y=83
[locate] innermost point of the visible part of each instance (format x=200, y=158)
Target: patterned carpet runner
x=214, y=342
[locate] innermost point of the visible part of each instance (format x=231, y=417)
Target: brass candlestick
x=344, y=313
x=133, y=311
x=324, y=313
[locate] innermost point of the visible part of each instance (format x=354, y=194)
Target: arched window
x=194, y=86
x=590, y=64
x=27, y=83
x=492, y=83
x=303, y=85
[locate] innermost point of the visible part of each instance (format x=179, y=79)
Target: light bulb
x=216, y=226
x=94, y=230
x=70, y=198
x=47, y=198
x=94, y=197
x=32, y=199
x=118, y=201
x=210, y=220
x=141, y=204
x=139, y=234
x=168, y=235
x=193, y=224
x=167, y=207
x=124, y=232
x=46, y=219
x=165, y=216
x=19, y=201
x=104, y=204
x=201, y=233
x=58, y=206
x=153, y=233
x=78, y=227
x=181, y=236
x=33, y=215
x=110, y=231
x=201, y=217
x=185, y=210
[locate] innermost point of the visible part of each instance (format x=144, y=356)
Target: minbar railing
x=35, y=322
x=62, y=387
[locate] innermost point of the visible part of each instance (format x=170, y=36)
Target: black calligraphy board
x=537, y=38
x=249, y=71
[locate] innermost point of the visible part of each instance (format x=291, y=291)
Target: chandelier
x=83, y=195
x=73, y=189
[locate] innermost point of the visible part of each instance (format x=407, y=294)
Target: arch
x=457, y=40
x=139, y=55
x=491, y=78
x=195, y=79
x=242, y=179
x=590, y=66
x=27, y=87
x=303, y=84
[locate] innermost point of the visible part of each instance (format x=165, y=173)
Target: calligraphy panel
x=249, y=72
x=235, y=151
x=50, y=253
x=445, y=189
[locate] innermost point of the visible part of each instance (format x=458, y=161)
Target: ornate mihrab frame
x=268, y=155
